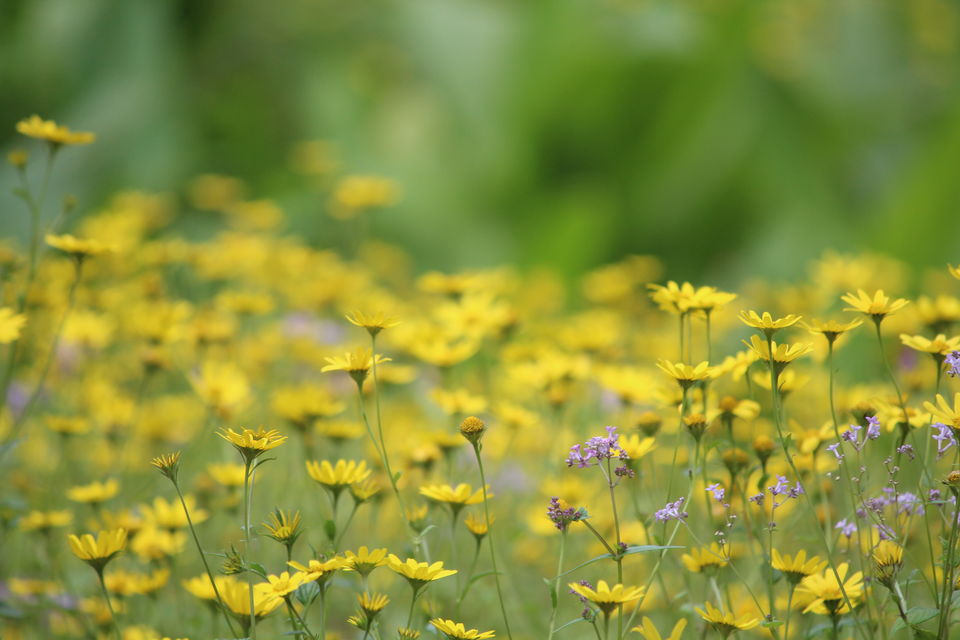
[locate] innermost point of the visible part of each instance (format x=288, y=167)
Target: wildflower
x=766, y=323
x=735, y=460
x=354, y=194
x=418, y=574
x=783, y=354
x=945, y=438
x=705, y=558
x=11, y=323
x=726, y=623
x=938, y=347
x=887, y=560
x=456, y=497
x=321, y=571
x=672, y=511
x=953, y=362
x=44, y=521
x=764, y=446
x=372, y=604
x=356, y=363
x=95, y=492
x=822, y=592
x=954, y=271
x=408, y=634
x=878, y=307
x=284, y=527
x=236, y=595
x=596, y=449
x=472, y=428
x=835, y=450
x=832, y=329
x=561, y=514
x=168, y=464
x=278, y=587
x=56, y=135
x=608, y=598
x=364, y=561
x=798, y=567
x=221, y=385
x=364, y=490
x=336, y=477
x=374, y=323
x=252, y=444
x=171, y=515
x=477, y=526
x=456, y=631
x=649, y=632
x=97, y=552
x=717, y=490
x=78, y=248
x=696, y=424
x=847, y=529
x=684, y=374
x=946, y=413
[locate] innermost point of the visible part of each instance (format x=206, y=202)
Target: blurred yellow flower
x=37, y=127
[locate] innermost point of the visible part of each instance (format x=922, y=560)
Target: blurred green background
x=729, y=137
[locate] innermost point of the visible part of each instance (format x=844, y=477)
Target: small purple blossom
x=717, y=490
x=944, y=437
x=596, y=449
x=781, y=487
x=907, y=450
x=873, y=428
x=757, y=499
x=671, y=511
x=846, y=528
x=560, y=517
x=835, y=450
x=953, y=361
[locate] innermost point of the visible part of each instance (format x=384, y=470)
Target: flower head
x=831, y=329
x=78, y=248
x=56, y=135
x=456, y=631
x=607, y=598
x=356, y=363
x=684, y=374
x=649, y=632
x=11, y=323
x=472, y=428
x=782, y=354
x=336, y=477
x=97, y=552
x=798, y=567
x=284, y=527
x=726, y=623
x=374, y=323
x=878, y=307
x=766, y=323
x=363, y=561
x=417, y=573
x=561, y=514
x=822, y=594
x=252, y=444
x=168, y=464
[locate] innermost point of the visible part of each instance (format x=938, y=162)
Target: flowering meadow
x=247, y=435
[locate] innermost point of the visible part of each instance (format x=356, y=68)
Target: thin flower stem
x=247, y=499
x=346, y=525
x=493, y=552
x=106, y=596
x=556, y=585
x=203, y=557
x=303, y=623
x=946, y=599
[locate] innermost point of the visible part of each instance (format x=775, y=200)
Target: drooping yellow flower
x=766, y=322
x=57, y=135
x=608, y=598
x=337, y=476
x=831, y=329
x=726, y=623
x=78, y=248
x=97, y=552
x=284, y=527
x=705, y=558
x=168, y=464
x=477, y=525
x=685, y=374
x=949, y=415
x=456, y=631
x=417, y=573
x=878, y=307
x=783, y=354
x=939, y=346
x=356, y=363
x=887, y=560
x=649, y=632
x=95, y=492
x=11, y=323
x=374, y=323
x=821, y=592
x=372, y=603
x=798, y=567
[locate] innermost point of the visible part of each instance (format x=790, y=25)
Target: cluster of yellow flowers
x=251, y=435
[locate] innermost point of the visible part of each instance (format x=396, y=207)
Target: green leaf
x=644, y=548
x=919, y=615
x=257, y=568
x=565, y=625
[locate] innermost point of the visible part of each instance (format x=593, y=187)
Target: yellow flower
x=364, y=490
x=685, y=374
x=37, y=127
x=636, y=447
x=711, y=557
x=460, y=495
x=11, y=323
x=97, y=552
x=45, y=520
x=355, y=194
x=168, y=464
x=954, y=271
x=783, y=354
x=95, y=492
x=477, y=525
x=170, y=515
x=418, y=574
x=374, y=323
x=229, y=474
x=284, y=527
x=372, y=604
x=456, y=630
x=278, y=587
x=726, y=623
x=356, y=363
x=78, y=248
x=878, y=307
x=944, y=412
x=767, y=323
x=472, y=429
x=821, y=592
x=674, y=298
x=887, y=560
x=321, y=570
x=649, y=632
x=252, y=444
x=831, y=329
x=606, y=597
x=236, y=595
x=342, y=474
x=364, y=560
x=939, y=346
x=798, y=567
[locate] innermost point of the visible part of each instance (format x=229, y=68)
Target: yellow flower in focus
x=56, y=135
x=252, y=444
x=798, y=567
x=372, y=604
x=278, y=587
x=726, y=623
x=939, y=346
x=95, y=492
x=878, y=307
x=321, y=570
x=608, y=598
x=356, y=363
x=649, y=632
x=821, y=593
x=337, y=476
x=284, y=527
x=783, y=354
x=887, y=560
x=767, y=323
x=685, y=374
x=456, y=631
x=236, y=595
x=11, y=323
x=364, y=560
x=417, y=573
x=97, y=552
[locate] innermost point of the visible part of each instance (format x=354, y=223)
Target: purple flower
x=846, y=528
x=873, y=428
x=835, y=450
x=953, y=361
x=781, y=487
x=944, y=438
x=906, y=450
x=561, y=517
x=596, y=448
x=757, y=499
x=671, y=511
x=717, y=490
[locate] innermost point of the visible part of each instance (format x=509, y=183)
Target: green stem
x=106, y=596
x=493, y=553
x=946, y=599
x=247, y=499
x=556, y=585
